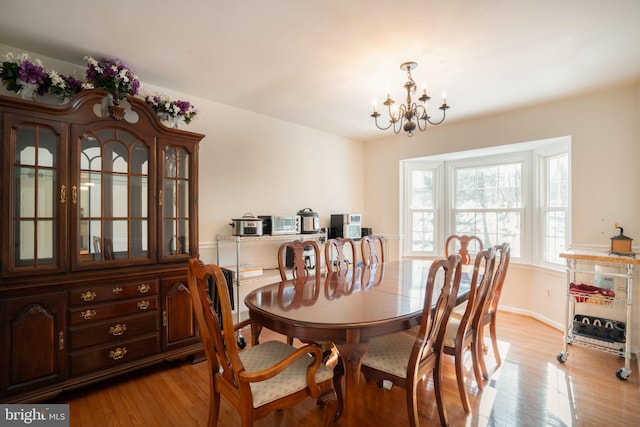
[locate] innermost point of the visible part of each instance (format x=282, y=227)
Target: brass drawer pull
x=118, y=329
x=61, y=340
x=144, y=288
x=88, y=315
x=116, y=290
x=143, y=305
x=88, y=296
x=118, y=353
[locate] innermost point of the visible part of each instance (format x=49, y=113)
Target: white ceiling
x=321, y=63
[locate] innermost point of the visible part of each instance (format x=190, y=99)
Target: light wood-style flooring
x=530, y=389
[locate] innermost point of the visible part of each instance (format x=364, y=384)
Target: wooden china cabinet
x=98, y=216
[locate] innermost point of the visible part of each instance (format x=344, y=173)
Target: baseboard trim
x=534, y=315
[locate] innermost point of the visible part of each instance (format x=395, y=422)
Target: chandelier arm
x=444, y=114
x=397, y=130
x=375, y=117
x=422, y=127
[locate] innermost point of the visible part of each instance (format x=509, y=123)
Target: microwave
x=346, y=226
x=277, y=225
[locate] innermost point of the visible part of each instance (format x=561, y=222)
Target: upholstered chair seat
x=285, y=383
x=391, y=353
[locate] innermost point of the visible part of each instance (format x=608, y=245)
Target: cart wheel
x=623, y=374
x=242, y=343
x=562, y=356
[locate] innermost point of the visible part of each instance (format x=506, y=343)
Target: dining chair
x=489, y=310
x=341, y=261
x=405, y=359
x=463, y=243
x=372, y=248
x=261, y=378
x=300, y=265
x=460, y=334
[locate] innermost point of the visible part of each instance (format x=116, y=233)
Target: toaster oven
x=277, y=225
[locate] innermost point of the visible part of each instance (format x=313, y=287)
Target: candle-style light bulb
x=444, y=98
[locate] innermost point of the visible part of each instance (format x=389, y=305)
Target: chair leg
x=412, y=403
x=338, y=373
x=214, y=409
x=480, y=340
x=460, y=377
x=329, y=403
x=437, y=389
x=476, y=355
x=494, y=339
x=290, y=340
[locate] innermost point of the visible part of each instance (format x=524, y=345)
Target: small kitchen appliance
x=346, y=226
x=279, y=225
x=309, y=221
x=248, y=225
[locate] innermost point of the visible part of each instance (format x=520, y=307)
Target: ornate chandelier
x=410, y=115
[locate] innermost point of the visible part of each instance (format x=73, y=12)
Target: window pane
x=423, y=234
x=558, y=177
x=555, y=236
x=422, y=189
x=495, y=186
x=555, y=217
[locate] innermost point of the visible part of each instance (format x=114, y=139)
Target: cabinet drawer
x=115, y=354
x=112, y=331
x=102, y=293
x=97, y=312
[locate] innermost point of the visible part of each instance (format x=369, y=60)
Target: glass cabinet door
x=174, y=203
x=39, y=196
x=112, y=198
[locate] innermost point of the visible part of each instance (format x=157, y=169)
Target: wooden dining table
x=348, y=309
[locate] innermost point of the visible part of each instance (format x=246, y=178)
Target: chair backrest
x=218, y=339
x=341, y=261
x=481, y=280
x=493, y=296
x=372, y=249
x=299, y=268
x=463, y=243
x=435, y=317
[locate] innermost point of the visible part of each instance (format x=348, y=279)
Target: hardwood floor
x=530, y=389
